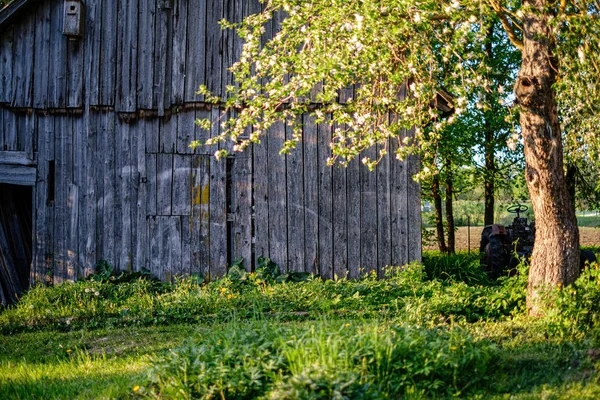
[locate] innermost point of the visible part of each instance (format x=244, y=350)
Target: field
x=436, y=330
x=589, y=237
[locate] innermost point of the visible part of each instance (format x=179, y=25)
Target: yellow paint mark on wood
x=201, y=195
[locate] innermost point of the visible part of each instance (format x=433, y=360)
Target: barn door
x=15, y=240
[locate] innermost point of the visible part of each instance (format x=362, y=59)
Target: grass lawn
x=429, y=331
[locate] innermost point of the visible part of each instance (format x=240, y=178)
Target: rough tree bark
x=437, y=204
x=450, y=214
x=490, y=173
x=555, y=258
x=489, y=149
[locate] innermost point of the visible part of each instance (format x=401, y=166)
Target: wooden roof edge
x=13, y=9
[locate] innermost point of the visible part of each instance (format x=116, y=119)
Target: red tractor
x=502, y=247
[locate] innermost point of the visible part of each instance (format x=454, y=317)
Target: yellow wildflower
x=136, y=388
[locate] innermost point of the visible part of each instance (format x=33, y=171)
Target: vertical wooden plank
x=9, y=126
x=164, y=183
x=260, y=198
x=61, y=217
x=125, y=175
x=161, y=48
x=384, y=249
x=42, y=48
x=43, y=225
x=180, y=36
x=23, y=59
x=200, y=219
x=90, y=188
x=110, y=187
x=353, y=209
x=368, y=215
x=217, y=209
x=311, y=194
x=136, y=137
x=168, y=134
x=185, y=131
x=413, y=195
x=25, y=133
x=127, y=61
x=6, y=64
x=295, y=205
x=325, y=203
x=139, y=232
x=79, y=217
x=108, y=60
x=214, y=45
x=75, y=53
x=154, y=241
x=186, y=245
x=340, y=223
x=57, y=69
x=151, y=191
x=241, y=176
x=196, y=50
x=278, y=251
x=182, y=191
x=175, y=249
x=398, y=207
x=93, y=50
x=151, y=134
x=145, y=56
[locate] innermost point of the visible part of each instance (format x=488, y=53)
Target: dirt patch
x=588, y=237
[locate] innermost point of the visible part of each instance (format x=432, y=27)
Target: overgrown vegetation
x=434, y=330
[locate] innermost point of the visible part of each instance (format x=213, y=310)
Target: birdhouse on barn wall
x=73, y=19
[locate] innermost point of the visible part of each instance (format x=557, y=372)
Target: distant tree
x=325, y=46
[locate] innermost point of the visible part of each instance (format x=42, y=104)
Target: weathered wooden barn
x=97, y=108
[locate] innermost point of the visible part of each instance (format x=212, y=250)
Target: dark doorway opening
x=16, y=238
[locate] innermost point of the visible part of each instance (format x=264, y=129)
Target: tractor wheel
x=495, y=257
x=586, y=257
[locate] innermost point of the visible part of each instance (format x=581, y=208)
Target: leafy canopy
x=374, y=69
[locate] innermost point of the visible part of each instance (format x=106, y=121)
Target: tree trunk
x=489, y=175
x=489, y=148
x=450, y=214
x=555, y=259
x=437, y=204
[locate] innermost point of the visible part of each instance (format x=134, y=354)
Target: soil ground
x=588, y=237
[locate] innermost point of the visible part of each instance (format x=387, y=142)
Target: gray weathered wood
x=164, y=183
x=311, y=194
x=145, y=56
x=214, y=45
x=75, y=53
x=277, y=197
x=62, y=140
x=340, y=223
x=195, y=69
x=185, y=131
x=261, y=199
x=15, y=158
x=9, y=128
x=179, y=45
x=325, y=203
x=17, y=175
x=181, y=201
x=168, y=134
x=398, y=208
x=295, y=206
x=42, y=49
x=108, y=62
x=161, y=48
x=57, y=70
x=241, y=176
x=151, y=190
x=353, y=217
x=383, y=193
x=6, y=65
x=23, y=58
x=368, y=215
x=110, y=186
x=217, y=209
x=127, y=60
x=200, y=218
x=93, y=50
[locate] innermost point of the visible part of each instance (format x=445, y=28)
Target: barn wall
x=108, y=120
